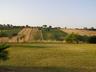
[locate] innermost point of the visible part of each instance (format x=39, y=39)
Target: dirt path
x=4, y=39
x=35, y=34
x=27, y=35
x=23, y=36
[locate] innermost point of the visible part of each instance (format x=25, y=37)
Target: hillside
x=31, y=34
x=53, y=34
x=25, y=35
x=80, y=32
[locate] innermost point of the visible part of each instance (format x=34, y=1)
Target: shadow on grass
x=32, y=46
x=43, y=69
x=4, y=55
x=4, y=52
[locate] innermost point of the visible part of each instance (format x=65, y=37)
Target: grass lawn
x=47, y=57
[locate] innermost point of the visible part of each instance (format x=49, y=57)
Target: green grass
x=60, y=57
x=10, y=32
x=53, y=34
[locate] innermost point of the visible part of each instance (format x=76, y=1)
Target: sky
x=62, y=13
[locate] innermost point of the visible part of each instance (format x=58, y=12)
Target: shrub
x=92, y=39
x=3, y=52
x=73, y=38
x=85, y=38
x=2, y=34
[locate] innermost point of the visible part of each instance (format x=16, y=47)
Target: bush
x=85, y=38
x=73, y=38
x=92, y=39
x=2, y=34
x=69, y=38
x=3, y=52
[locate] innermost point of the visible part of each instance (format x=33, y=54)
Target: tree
x=44, y=26
x=50, y=27
x=65, y=27
x=27, y=26
x=85, y=28
x=92, y=28
x=3, y=51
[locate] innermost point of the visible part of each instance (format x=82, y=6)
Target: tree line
x=9, y=26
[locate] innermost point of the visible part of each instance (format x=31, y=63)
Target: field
x=20, y=35
x=53, y=34
x=44, y=50
x=50, y=57
x=31, y=35
x=80, y=32
x=9, y=35
x=9, y=32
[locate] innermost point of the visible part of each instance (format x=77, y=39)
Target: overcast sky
x=70, y=13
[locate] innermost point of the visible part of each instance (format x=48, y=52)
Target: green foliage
x=73, y=38
x=3, y=34
x=9, y=33
x=53, y=34
x=85, y=39
x=58, y=35
x=92, y=39
x=3, y=51
x=44, y=26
